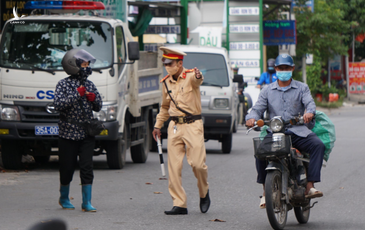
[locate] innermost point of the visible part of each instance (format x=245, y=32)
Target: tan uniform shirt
x=186, y=93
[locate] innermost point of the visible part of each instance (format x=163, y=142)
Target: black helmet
x=284, y=59
x=72, y=60
x=271, y=62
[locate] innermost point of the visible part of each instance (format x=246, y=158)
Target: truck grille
x=37, y=112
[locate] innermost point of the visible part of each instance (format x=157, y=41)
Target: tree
x=354, y=15
x=323, y=30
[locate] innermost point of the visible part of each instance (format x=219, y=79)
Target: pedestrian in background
x=75, y=98
x=181, y=102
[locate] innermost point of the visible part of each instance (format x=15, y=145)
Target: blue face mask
x=284, y=75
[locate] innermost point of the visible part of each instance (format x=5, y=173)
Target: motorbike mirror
x=260, y=123
x=238, y=78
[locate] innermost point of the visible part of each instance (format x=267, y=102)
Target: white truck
x=31, y=50
x=219, y=99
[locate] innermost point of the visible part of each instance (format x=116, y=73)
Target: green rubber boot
x=86, y=199
x=64, y=201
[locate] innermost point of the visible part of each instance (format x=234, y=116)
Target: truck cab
x=219, y=99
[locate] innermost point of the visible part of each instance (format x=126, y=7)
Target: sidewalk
x=346, y=103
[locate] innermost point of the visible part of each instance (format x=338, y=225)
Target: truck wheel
x=227, y=143
x=11, y=154
x=139, y=153
x=41, y=159
x=234, y=129
x=116, y=151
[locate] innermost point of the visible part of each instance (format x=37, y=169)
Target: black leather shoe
x=205, y=203
x=177, y=211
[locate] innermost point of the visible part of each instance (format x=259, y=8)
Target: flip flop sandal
x=313, y=193
x=262, y=202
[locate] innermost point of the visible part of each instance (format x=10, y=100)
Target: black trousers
x=68, y=152
x=310, y=144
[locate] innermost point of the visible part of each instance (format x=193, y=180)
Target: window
x=121, y=52
x=42, y=44
x=212, y=66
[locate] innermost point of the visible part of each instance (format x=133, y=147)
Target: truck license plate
x=46, y=130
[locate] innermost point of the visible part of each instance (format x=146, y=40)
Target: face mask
x=284, y=75
x=171, y=70
x=85, y=73
x=271, y=69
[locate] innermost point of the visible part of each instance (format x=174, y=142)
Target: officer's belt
x=186, y=119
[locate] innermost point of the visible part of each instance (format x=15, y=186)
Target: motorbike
x=286, y=179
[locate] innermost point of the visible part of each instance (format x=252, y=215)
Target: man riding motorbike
x=288, y=98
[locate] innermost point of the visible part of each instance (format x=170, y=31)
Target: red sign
x=357, y=77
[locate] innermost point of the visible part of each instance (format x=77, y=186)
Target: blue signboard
x=280, y=32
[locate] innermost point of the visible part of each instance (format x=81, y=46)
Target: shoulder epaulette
x=163, y=79
x=189, y=70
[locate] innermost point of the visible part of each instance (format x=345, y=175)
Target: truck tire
x=116, y=151
x=227, y=143
x=139, y=153
x=41, y=159
x=11, y=154
x=235, y=124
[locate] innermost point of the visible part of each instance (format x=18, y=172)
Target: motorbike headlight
x=9, y=113
x=107, y=113
x=276, y=124
x=221, y=103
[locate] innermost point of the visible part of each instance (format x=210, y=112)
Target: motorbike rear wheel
x=302, y=213
x=276, y=207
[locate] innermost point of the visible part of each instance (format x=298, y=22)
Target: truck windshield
x=42, y=44
x=212, y=66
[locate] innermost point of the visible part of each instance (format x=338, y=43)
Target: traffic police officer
x=181, y=102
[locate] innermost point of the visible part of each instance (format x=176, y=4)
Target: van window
x=42, y=44
x=212, y=66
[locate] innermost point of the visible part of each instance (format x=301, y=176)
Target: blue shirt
x=265, y=78
x=66, y=99
x=286, y=103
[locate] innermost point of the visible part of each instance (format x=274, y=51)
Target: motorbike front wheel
x=276, y=207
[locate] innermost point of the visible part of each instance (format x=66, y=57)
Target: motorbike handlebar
x=298, y=120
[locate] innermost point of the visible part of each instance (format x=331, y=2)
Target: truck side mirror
x=257, y=78
x=133, y=51
x=238, y=78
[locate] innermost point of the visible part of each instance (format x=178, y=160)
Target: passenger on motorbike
x=269, y=76
x=288, y=98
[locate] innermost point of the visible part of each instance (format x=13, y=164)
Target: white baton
x=161, y=156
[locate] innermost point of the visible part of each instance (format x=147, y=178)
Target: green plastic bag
x=325, y=130
x=263, y=132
